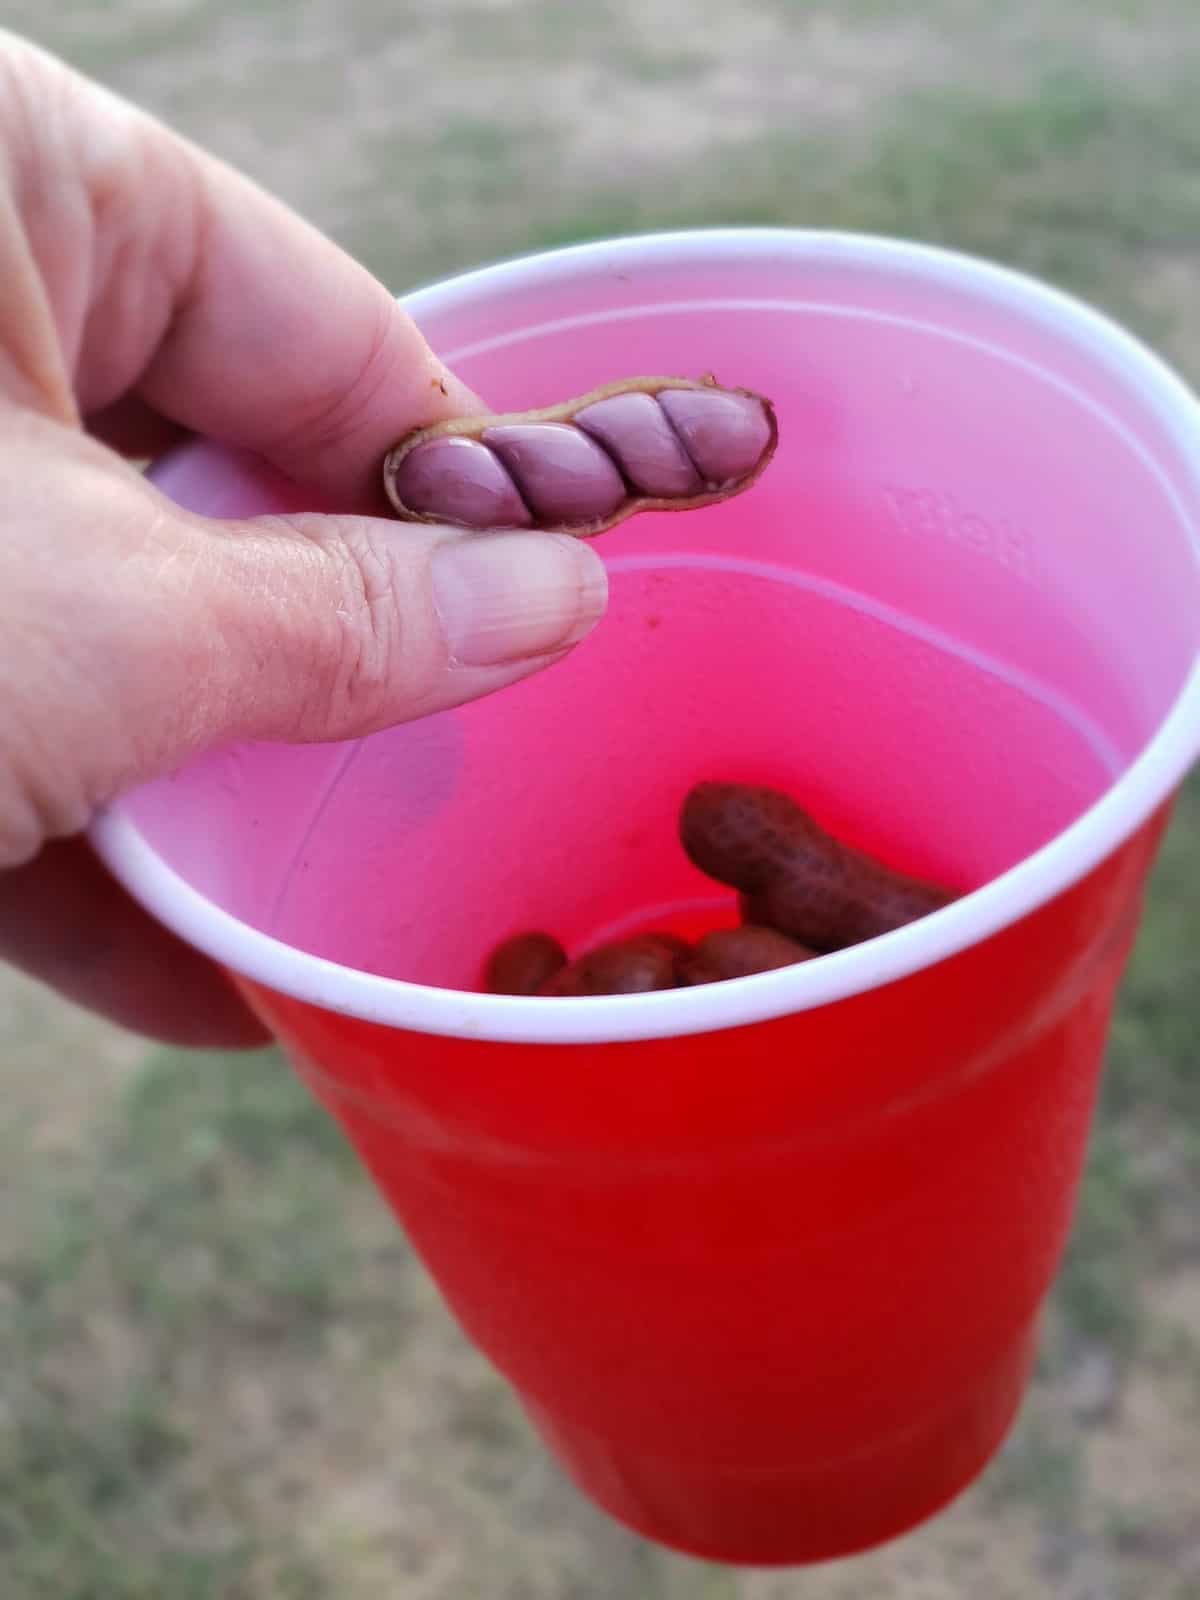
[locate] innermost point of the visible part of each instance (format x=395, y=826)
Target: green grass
x=1043, y=1466
x=218, y=1176
x=211, y=1221
x=1063, y=180
x=1145, y=1155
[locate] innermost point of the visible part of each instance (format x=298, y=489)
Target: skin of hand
x=148, y=291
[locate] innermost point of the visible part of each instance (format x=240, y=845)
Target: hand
x=146, y=291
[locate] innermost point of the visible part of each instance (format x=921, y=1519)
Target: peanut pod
x=522, y=964
x=793, y=875
x=738, y=952
x=627, y=966
x=583, y=466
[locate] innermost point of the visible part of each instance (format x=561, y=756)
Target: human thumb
x=372, y=623
x=139, y=633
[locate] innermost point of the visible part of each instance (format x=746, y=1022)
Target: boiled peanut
x=627, y=966
x=793, y=875
x=738, y=952
x=522, y=964
x=583, y=466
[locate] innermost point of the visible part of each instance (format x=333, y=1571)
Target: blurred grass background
x=223, y=1374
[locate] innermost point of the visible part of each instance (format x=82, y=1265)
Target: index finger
x=180, y=285
x=283, y=344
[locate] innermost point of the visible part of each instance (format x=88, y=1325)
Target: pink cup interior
x=960, y=605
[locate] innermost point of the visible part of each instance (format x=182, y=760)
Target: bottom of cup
x=815, y=1511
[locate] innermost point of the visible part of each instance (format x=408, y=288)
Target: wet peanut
x=522, y=964
x=627, y=966
x=583, y=466
x=738, y=952
x=794, y=876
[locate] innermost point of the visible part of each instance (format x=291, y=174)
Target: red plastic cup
x=764, y=1259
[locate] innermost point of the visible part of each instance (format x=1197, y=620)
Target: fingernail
x=504, y=597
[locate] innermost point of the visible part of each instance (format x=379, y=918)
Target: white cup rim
x=1067, y=858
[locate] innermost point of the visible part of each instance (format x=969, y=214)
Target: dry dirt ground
x=224, y=1376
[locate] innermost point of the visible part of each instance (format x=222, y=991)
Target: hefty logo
x=933, y=513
